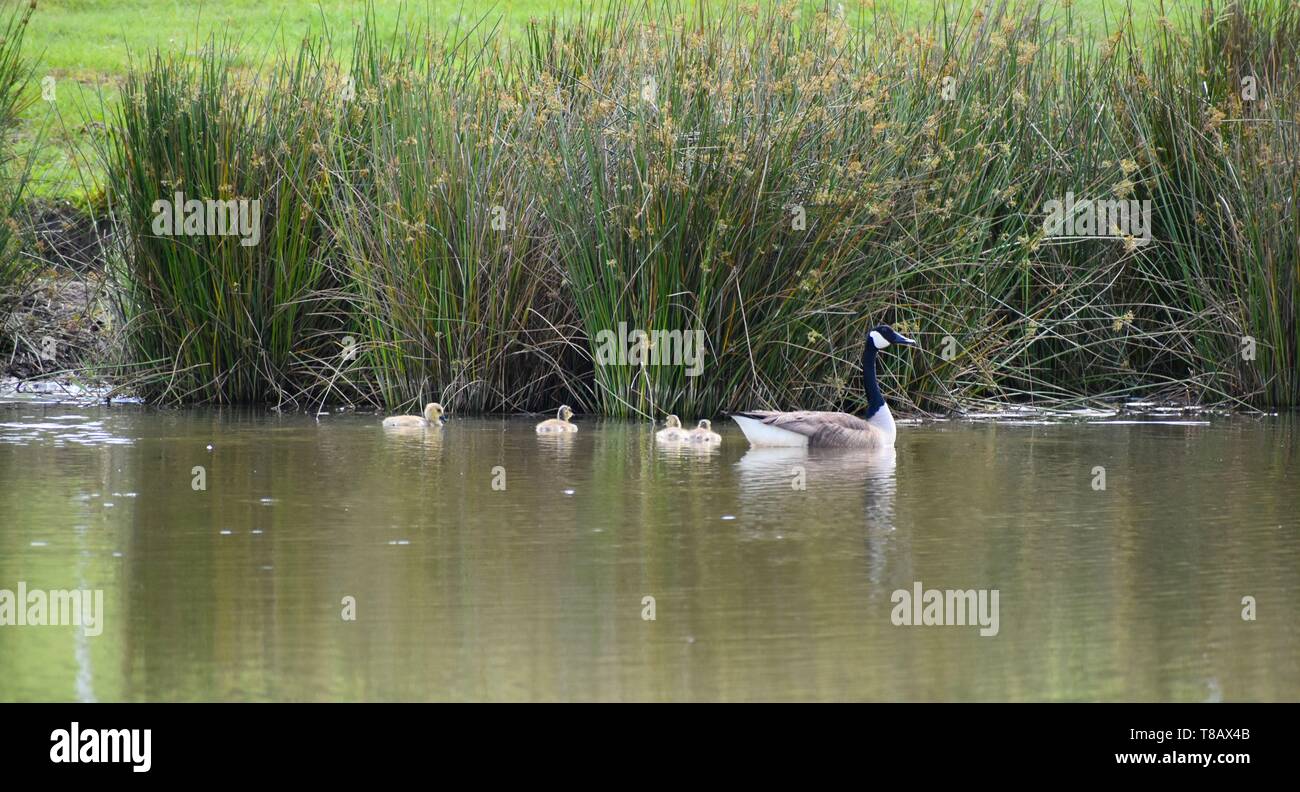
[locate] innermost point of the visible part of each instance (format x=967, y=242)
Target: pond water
x=487, y=563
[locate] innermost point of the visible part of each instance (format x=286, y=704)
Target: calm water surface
x=535, y=592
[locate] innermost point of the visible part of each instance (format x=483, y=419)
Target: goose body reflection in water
x=839, y=475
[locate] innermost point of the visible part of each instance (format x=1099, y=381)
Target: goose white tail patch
x=761, y=434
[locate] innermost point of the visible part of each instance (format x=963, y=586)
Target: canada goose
x=673, y=431
x=432, y=417
x=832, y=429
x=703, y=433
x=558, y=424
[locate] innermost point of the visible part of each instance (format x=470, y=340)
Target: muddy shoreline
x=59, y=323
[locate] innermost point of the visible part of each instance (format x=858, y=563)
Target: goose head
x=705, y=425
x=882, y=336
x=673, y=422
x=565, y=413
x=433, y=413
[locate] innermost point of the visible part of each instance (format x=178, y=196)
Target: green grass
x=87, y=46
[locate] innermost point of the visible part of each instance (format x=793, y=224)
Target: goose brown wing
x=828, y=429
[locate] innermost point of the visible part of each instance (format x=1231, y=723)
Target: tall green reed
x=436, y=231
x=1219, y=117
x=207, y=317
x=16, y=271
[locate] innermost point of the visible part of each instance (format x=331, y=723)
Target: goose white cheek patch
x=878, y=340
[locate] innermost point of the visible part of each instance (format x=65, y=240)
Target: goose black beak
x=902, y=339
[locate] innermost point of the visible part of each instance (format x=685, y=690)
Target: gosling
x=673, y=433
x=558, y=424
x=703, y=433
x=432, y=418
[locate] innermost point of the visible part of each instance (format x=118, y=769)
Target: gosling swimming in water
x=432, y=418
x=703, y=433
x=558, y=424
x=673, y=431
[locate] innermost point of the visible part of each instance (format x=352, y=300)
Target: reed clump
x=206, y=316
x=466, y=217
x=437, y=233
x=16, y=271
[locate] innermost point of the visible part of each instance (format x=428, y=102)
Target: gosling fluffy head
x=565, y=412
x=433, y=413
x=705, y=425
x=673, y=422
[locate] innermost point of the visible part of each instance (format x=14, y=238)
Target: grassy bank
x=88, y=46
x=461, y=215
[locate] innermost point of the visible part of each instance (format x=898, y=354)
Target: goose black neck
x=874, y=398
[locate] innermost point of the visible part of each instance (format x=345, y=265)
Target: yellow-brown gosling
x=432, y=418
x=673, y=431
x=558, y=424
x=703, y=433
